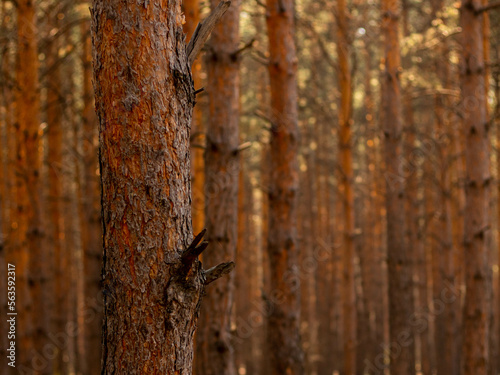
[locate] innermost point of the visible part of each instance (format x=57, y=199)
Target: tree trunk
x=446, y=321
x=153, y=281
x=399, y=267
x=55, y=188
x=191, y=9
x=91, y=226
x=477, y=192
x=284, y=303
x=346, y=190
x=214, y=350
x=26, y=244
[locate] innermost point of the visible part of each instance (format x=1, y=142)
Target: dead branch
x=217, y=272
x=203, y=30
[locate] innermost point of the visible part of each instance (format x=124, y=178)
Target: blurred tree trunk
x=283, y=321
x=191, y=8
x=70, y=214
x=338, y=273
x=398, y=258
x=55, y=189
x=324, y=249
x=25, y=252
x=244, y=278
x=346, y=190
x=144, y=97
x=496, y=114
x=91, y=225
x=370, y=258
x=7, y=158
x=214, y=351
x=493, y=339
x=477, y=192
x=445, y=322
x=308, y=234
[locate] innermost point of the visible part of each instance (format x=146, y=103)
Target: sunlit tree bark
x=153, y=281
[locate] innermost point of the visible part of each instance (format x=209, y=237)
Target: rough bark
x=477, y=192
x=283, y=338
x=153, y=281
x=214, y=349
x=398, y=259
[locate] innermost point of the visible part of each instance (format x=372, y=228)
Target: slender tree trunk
x=369, y=259
x=26, y=225
x=244, y=278
x=399, y=266
x=153, y=281
x=338, y=272
x=308, y=234
x=214, y=351
x=493, y=339
x=283, y=320
x=72, y=273
x=91, y=226
x=496, y=77
x=445, y=322
x=8, y=193
x=191, y=9
x=346, y=189
x=324, y=256
x=477, y=192
x=55, y=171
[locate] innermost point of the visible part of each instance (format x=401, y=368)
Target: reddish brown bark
x=25, y=221
x=346, y=190
x=214, y=350
x=144, y=98
x=477, y=192
x=55, y=233
x=191, y=10
x=283, y=320
x=91, y=227
x=398, y=258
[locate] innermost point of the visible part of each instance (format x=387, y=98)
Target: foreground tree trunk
x=477, y=193
x=284, y=303
x=214, y=350
x=153, y=281
x=399, y=270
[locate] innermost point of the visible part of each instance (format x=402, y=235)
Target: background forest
x=391, y=211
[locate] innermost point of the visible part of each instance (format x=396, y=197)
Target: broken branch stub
x=203, y=30
x=217, y=272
